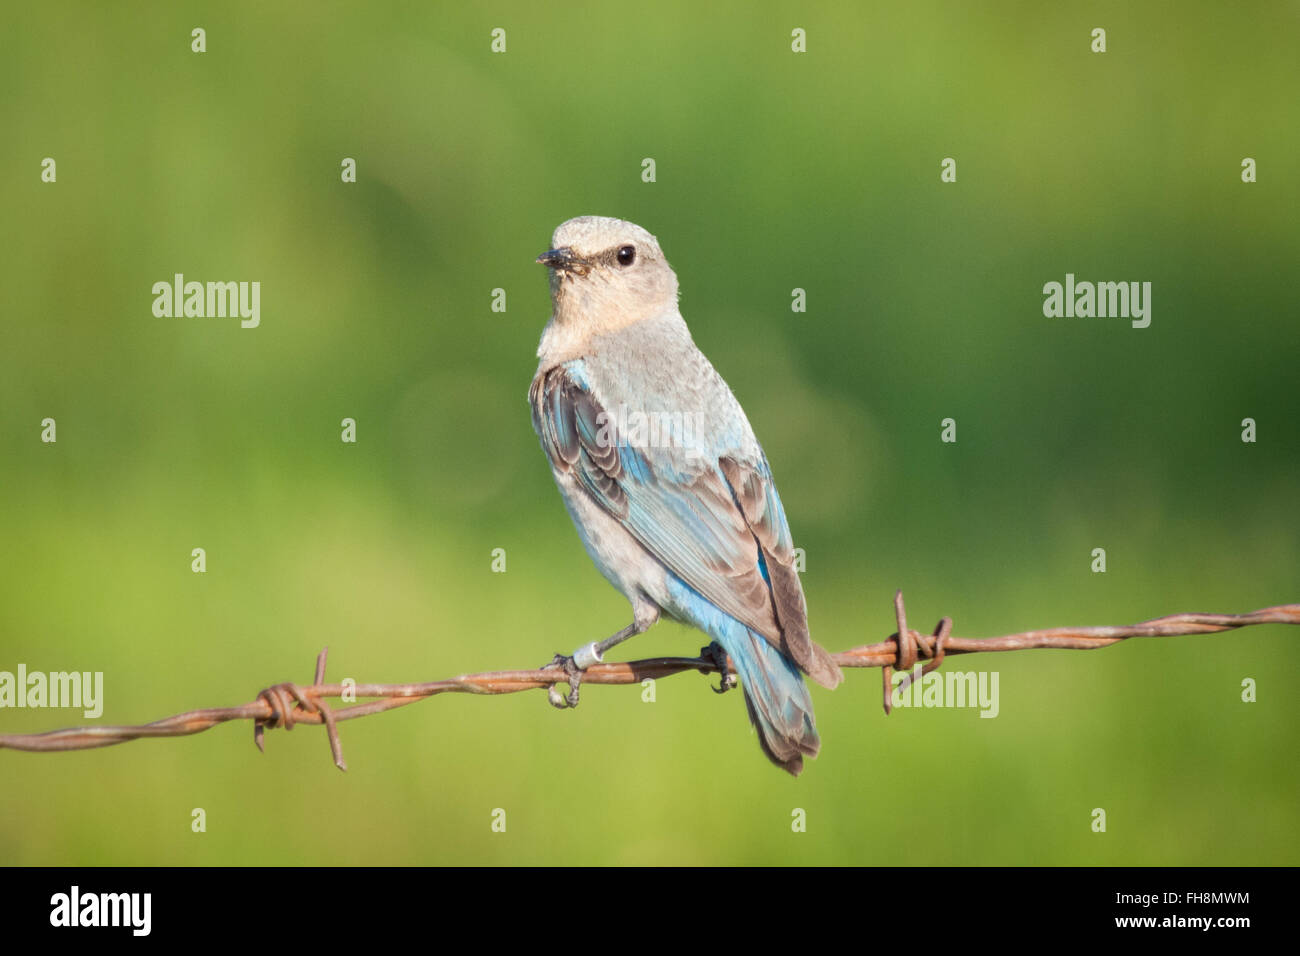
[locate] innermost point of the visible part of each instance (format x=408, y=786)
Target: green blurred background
x=774, y=171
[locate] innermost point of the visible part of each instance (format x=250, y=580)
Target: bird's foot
x=718, y=657
x=573, y=665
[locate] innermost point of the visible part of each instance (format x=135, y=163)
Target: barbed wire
x=287, y=704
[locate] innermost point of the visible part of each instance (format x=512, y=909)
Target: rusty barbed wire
x=287, y=704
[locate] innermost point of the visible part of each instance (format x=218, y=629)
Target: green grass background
x=774, y=171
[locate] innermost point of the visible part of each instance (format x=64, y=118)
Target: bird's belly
x=618, y=556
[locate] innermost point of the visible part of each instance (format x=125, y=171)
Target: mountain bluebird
x=661, y=472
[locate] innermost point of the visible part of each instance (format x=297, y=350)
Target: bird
x=663, y=477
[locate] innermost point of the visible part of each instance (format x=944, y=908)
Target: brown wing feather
x=750, y=491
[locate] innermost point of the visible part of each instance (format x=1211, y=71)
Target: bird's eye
x=626, y=255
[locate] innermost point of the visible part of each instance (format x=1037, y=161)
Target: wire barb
x=906, y=642
x=284, y=699
x=284, y=705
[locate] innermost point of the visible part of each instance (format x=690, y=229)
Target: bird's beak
x=563, y=258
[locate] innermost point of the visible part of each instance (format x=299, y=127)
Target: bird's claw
x=718, y=657
x=573, y=677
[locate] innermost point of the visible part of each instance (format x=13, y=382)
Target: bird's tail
x=779, y=704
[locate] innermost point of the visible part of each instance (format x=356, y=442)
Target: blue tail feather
x=779, y=704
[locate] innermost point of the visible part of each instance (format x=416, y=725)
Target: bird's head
x=607, y=273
